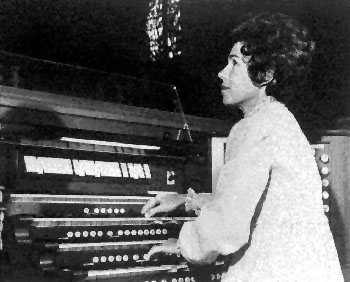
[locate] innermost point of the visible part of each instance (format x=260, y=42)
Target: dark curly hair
x=274, y=44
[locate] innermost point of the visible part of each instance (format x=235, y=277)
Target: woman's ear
x=269, y=78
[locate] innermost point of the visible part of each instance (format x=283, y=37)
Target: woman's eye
x=232, y=62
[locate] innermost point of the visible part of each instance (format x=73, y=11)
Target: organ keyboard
x=84, y=205
x=92, y=229
x=71, y=204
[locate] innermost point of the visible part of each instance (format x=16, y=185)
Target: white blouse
x=268, y=202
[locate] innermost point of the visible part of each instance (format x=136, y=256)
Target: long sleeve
x=198, y=201
x=202, y=198
x=223, y=225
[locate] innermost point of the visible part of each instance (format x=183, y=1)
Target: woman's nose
x=223, y=73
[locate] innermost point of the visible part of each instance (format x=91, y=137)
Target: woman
x=266, y=211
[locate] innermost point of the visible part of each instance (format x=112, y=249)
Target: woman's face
x=237, y=86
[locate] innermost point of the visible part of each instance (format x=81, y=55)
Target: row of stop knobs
x=325, y=173
x=127, y=232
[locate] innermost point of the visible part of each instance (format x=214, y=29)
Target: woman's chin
x=225, y=101
x=228, y=102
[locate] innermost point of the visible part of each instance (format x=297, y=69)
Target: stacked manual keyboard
x=71, y=217
x=99, y=238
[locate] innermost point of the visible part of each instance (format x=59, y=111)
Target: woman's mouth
x=223, y=87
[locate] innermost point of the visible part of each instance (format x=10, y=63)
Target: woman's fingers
x=154, y=250
x=169, y=246
x=158, y=209
x=149, y=205
x=162, y=203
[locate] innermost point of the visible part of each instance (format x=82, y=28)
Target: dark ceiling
x=110, y=36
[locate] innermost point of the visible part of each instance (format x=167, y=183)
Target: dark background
x=110, y=36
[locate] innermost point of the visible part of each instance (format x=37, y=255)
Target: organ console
x=74, y=176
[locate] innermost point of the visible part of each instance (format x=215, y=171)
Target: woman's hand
x=163, y=203
x=168, y=247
